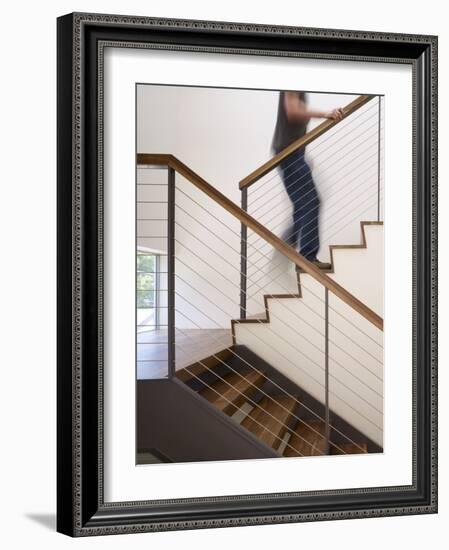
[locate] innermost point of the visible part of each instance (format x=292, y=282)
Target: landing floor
x=192, y=345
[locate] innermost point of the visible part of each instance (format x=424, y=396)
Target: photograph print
x=241, y=207
x=259, y=274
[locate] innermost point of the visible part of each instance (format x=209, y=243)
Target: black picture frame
x=81, y=510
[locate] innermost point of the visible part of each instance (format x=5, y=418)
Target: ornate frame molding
x=81, y=509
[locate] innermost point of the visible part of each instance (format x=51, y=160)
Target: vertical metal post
x=326, y=368
x=378, y=157
x=243, y=257
x=171, y=273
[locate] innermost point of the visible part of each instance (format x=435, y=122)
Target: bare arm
x=297, y=111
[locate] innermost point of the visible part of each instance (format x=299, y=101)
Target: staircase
x=241, y=382
x=302, y=374
x=360, y=374
x=260, y=400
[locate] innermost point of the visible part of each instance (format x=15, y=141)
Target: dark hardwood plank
x=229, y=393
x=269, y=420
x=307, y=441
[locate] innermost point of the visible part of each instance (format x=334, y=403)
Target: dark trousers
x=301, y=189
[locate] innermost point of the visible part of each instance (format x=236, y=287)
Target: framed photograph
x=247, y=279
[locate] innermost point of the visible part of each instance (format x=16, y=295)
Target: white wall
x=223, y=134
x=362, y=269
x=209, y=130
x=28, y=431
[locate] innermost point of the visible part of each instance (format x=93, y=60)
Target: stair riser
x=361, y=270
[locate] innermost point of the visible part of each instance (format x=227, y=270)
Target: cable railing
x=328, y=342
x=346, y=160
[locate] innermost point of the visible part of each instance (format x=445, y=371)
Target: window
x=147, y=291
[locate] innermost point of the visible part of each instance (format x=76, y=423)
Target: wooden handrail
x=302, y=142
x=262, y=231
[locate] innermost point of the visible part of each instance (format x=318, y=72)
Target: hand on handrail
x=335, y=114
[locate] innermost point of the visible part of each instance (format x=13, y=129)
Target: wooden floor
x=191, y=345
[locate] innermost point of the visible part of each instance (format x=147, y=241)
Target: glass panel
x=146, y=299
x=146, y=262
x=147, y=293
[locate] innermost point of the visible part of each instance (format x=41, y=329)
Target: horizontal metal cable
x=151, y=167
x=316, y=415
x=155, y=307
x=147, y=202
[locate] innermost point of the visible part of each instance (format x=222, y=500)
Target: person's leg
x=308, y=213
x=290, y=170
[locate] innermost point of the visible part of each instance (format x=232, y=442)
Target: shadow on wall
x=46, y=520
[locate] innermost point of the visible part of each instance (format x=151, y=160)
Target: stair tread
x=229, y=393
x=196, y=369
x=305, y=441
x=350, y=449
x=261, y=423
